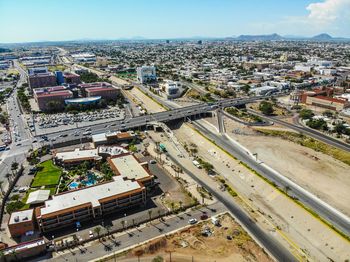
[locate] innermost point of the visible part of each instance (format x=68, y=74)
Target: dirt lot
x=323, y=175
x=190, y=243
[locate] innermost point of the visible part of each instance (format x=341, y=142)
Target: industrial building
x=84, y=58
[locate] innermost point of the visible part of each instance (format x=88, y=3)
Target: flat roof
x=102, y=88
x=21, y=216
x=77, y=154
x=90, y=195
x=38, y=196
x=129, y=167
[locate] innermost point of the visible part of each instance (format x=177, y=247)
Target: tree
x=207, y=166
x=328, y=113
x=150, y=214
x=245, y=89
x=108, y=228
x=8, y=176
x=266, y=108
x=306, y=114
x=97, y=230
x=14, y=166
x=318, y=124
x=340, y=128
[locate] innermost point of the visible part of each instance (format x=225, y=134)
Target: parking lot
x=47, y=123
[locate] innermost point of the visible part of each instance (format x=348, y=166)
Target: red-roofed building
x=331, y=103
x=70, y=78
x=103, y=89
x=44, y=96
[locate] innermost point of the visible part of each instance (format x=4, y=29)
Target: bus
x=162, y=148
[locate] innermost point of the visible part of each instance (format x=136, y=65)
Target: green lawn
x=48, y=176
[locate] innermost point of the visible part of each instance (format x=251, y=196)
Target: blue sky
x=38, y=20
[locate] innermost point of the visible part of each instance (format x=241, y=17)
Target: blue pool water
x=73, y=185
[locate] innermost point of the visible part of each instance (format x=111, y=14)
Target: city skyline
x=158, y=20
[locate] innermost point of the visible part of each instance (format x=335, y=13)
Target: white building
x=84, y=58
x=264, y=90
x=303, y=67
x=172, y=89
x=146, y=74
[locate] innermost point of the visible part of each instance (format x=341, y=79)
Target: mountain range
x=277, y=37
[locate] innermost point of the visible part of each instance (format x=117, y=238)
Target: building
x=103, y=89
x=128, y=167
x=331, y=103
x=76, y=157
x=171, y=89
x=264, y=90
x=146, y=74
x=106, y=93
x=84, y=58
x=59, y=77
x=93, y=202
x=71, y=78
x=24, y=251
x=37, y=80
x=21, y=222
x=113, y=138
x=57, y=94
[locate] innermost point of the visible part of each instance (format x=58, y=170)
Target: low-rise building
x=57, y=95
x=21, y=222
x=74, y=207
x=103, y=89
x=71, y=78
x=129, y=167
x=171, y=89
x=76, y=157
x=42, y=80
x=113, y=138
x=331, y=103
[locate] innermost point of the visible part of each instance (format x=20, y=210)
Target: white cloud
x=329, y=12
x=330, y=16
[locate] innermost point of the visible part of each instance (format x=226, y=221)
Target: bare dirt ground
x=321, y=174
x=190, y=242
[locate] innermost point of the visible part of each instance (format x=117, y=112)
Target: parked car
x=192, y=221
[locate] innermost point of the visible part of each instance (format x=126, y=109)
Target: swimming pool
x=73, y=185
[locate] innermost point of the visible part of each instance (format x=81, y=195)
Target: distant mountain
x=259, y=37
x=322, y=37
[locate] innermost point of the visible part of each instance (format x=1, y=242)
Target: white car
x=192, y=221
x=91, y=235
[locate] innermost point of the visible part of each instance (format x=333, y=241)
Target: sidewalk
x=118, y=242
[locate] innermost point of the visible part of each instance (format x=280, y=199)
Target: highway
x=21, y=142
x=131, y=123
x=324, y=210
x=267, y=241
x=307, y=131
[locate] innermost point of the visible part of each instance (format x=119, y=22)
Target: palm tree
x=172, y=204
x=150, y=214
x=123, y=223
x=180, y=204
x=1, y=189
x=14, y=166
x=108, y=228
x=8, y=176
x=97, y=230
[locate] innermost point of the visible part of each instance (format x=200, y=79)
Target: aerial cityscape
x=175, y=130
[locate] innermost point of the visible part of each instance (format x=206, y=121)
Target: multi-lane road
x=307, y=131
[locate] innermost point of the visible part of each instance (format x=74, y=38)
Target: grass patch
x=48, y=174
x=309, y=142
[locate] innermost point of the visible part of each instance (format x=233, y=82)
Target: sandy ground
x=189, y=243
x=283, y=218
x=307, y=237
x=322, y=175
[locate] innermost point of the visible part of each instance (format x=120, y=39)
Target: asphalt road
x=307, y=131
x=327, y=212
x=279, y=252
x=135, y=236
